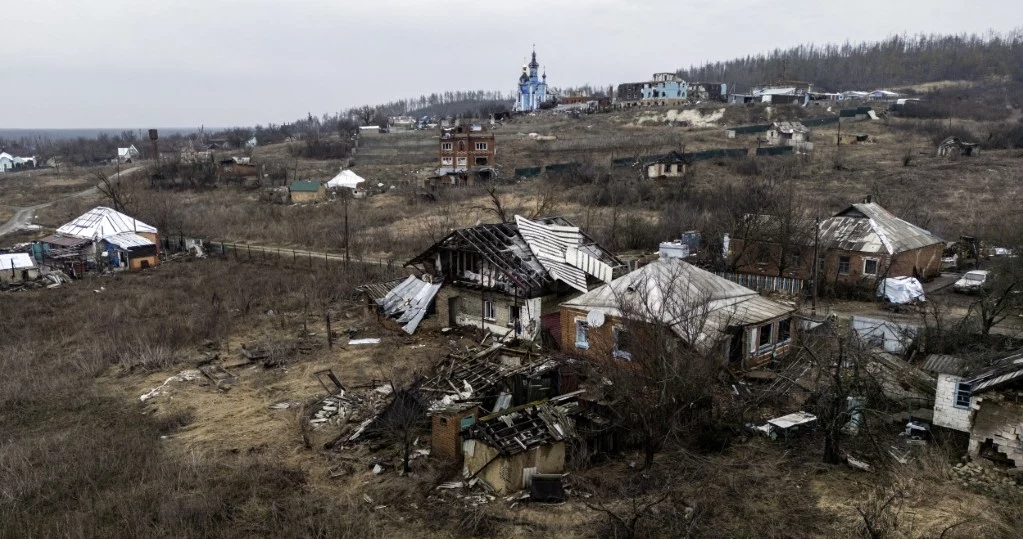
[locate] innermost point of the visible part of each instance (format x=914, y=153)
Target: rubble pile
x=985, y=478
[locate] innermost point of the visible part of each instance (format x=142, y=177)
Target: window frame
x=959, y=392
x=617, y=352
x=848, y=265
x=462, y=162
x=447, y=146
x=788, y=338
x=580, y=323
x=761, y=347
x=795, y=258
x=481, y=146
x=877, y=266
x=446, y=160
x=489, y=308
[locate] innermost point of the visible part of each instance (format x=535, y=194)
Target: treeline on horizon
x=890, y=63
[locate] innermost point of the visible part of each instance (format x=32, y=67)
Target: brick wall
x=445, y=433
x=946, y=414
x=999, y=418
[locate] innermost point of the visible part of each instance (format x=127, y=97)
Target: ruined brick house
x=857, y=246
x=707, y=312
x=511, y=277
x=466, y=146
x=986, y=402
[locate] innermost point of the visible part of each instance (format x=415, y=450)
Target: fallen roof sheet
x=409, y=301
x=377, y=291
x=102, y=222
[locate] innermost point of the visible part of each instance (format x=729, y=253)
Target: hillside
x=896, y=61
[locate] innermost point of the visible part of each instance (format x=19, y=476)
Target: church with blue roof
x=532, y=87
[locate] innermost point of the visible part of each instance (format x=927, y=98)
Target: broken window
x=763, y=253
x=964, y=392
x=445, y=160
x=795, y=258
x=489, y=312
x=481, y=161
x=461, y=161
x=870, y=266
x=582, y=340
x=843, y=264
x=785, y=330
x=623, y=342
x=766, y=335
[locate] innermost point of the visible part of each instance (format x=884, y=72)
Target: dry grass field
x=82, y=456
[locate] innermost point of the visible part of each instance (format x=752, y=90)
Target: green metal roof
x=305, y=186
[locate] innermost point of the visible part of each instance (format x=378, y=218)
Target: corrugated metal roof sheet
x=102, y=222
x=690, y=299
x=128, y=240
x=1004, y=371
x=870, y=228
x=64, y=241
x=16, y=260
x=409, y=301
x=944, y=364
x=377, y=291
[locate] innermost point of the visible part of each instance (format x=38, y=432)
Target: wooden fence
x=761, y=283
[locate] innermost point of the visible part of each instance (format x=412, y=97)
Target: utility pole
x=344, y=203
x=816, y=262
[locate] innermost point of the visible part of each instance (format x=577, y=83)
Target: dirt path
x=23, y=216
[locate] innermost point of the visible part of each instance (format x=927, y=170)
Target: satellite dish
x=595, y=318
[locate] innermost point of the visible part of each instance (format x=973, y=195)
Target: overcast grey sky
x=131, y=63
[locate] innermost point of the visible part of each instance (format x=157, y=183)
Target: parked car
x=973, y=281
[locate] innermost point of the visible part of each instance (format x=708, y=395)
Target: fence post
x=249, y=249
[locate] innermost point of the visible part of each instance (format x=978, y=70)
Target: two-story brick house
x=464, y=147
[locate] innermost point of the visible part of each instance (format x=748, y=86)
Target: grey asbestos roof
x=944, y=364
x=692, y=300
x=869, y=228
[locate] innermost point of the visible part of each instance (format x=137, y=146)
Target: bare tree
x=118, y=189
x=659, y=360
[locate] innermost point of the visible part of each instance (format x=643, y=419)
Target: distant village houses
x=10, y=162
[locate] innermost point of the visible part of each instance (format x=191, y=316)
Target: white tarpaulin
x=901, y=290
x=346, y=178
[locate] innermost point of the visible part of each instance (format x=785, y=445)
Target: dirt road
x=23, y=216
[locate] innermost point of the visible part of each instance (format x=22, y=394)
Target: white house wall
x=946, y=414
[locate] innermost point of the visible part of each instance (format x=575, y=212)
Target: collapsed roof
x=409, y=300
x=521, y=257
x=516, y=430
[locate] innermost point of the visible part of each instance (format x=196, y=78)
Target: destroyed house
x=509, y=278
x=506, y=449
x=708, y=313
x=984, y=401
x=954, y=147
x=466, y=387
x=857, y=246
x=787, y=133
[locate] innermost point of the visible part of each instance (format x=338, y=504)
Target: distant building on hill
x=533, y=90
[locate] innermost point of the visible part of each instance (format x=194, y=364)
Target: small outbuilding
x=17, y=267
x=304, y=191
x=955, y=147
